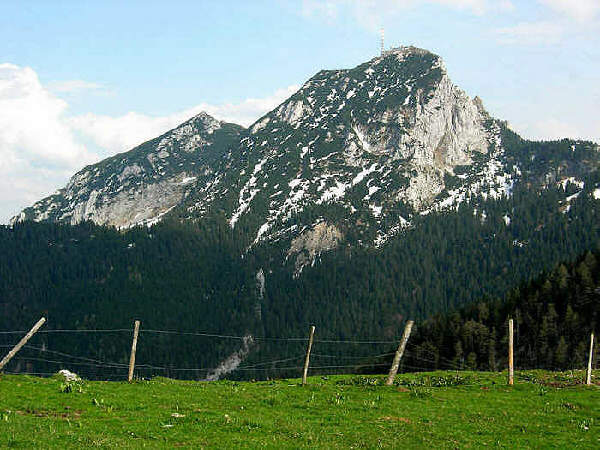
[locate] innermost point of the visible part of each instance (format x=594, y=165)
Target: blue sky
x=81, y=80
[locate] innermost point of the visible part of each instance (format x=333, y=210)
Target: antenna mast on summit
x=382, y=36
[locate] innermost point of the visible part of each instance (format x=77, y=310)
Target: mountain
x=140, y=186
x=350, y=159
x=370, y=196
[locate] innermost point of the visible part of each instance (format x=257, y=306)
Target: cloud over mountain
x=38, y=149
x=41, y=144
x=120, y=133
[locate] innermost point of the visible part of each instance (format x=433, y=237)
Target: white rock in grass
x=68, y=375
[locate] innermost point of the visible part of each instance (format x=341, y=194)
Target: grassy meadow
x=426, y=410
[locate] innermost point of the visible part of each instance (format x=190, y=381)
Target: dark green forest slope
x=197, y=277
x=553, y=315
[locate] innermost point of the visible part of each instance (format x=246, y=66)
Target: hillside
x=437, y=410
x=554, y=316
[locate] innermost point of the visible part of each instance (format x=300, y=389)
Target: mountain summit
x=354, y=155
x=376, y=141
x=140, y=186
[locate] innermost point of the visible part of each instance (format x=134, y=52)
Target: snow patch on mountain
x=247, y=193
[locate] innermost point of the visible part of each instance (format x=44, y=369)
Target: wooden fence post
x=399, y=353
x=22, y=342
x=511, y=374
x=589, y=367
x=307, y=359
x=136, y=330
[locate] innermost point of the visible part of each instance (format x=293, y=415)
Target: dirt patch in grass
x=48, y=413
x=396, y=419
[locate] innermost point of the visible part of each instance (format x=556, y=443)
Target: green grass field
x=432, y=410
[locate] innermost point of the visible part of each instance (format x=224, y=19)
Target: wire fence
x=237, y=363
x=231, y=356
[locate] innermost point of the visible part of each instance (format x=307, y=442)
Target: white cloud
x=580, y=10
x=249, y=110
x=570, y=19
x=117, y=134
x=32, y=123
x=558, y=128
x=327, y=9
x=121, y=133
x=531, y=33
x=372, y=13
x=74, y=86
x=41, y=146
x=37, y=147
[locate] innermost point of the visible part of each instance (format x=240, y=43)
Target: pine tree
x=472, y=361
x=560, y=356
x=458, y=360
x=492, y=351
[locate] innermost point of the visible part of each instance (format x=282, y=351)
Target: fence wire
x=331, y=356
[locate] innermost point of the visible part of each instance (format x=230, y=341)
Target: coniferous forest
x=198, y=277
x=553, y=318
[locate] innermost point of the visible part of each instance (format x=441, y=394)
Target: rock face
x=309, y=244
x=140, y=186
x=355, y=155
x=373, y=145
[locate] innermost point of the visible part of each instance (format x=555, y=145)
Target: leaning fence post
x=22, y=342
x=307, y=359
x=399, y=353
x=589, y=367
x=511, y=372
x=136, y=329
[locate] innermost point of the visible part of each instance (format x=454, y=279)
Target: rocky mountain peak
x=143, y=184
x=205, y=122
x=401, y=54
x=354, y=156
x=368, y=139
x=392, y=128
